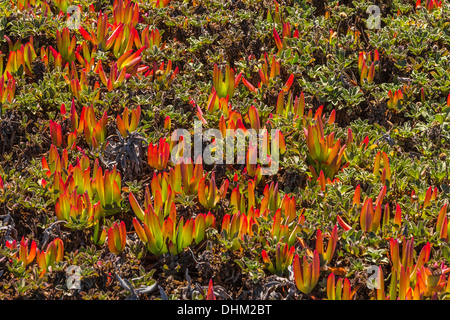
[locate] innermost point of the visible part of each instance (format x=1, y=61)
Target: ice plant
x=367, y=216
x=331, y=247
x=210, y=294
x=22, y=5
x=249, y=85
x=97, y=237
x=225, y=87
x=160, y=3
x=381, y=295
x=405, y=283
x=424, y=255
x=126, y=37
x=25, y=256
x=271, y=198
x=149, y=39
x=235, y=123
x=130, y=61
x=277, y=15
x=398, y=216
x=20, y=60
x=80, y=83
x=282, y=230
x=357, y=196
x=404, y=288
x=125, y=12
x=94, y=131
x=157, y=207
x=234, y=227
x=253, y=117
x=381, y=196
x=442, y=225
x=107, y=188
x=167, y=123
x=322, y=182
x=73, y=117
x=306, y=275
x=80, y=198
x=288, y=208
x=7, y=88
x=56, y=133
x=283, y=259
x=367, y=66
x=340, y=290
x=186, y=176
x=53, y=254
x=237, y=200
x=386, y=173
x=12, y=46
x=431, y=281
x=278, y=41
x=65, y=45
x=367, y=73
x=100, y=38
x=286, y=34
x=394, y=98
x=55, y=162
x=158, y=155
x=287, y=31
x=427, y=283
x=266, y=77
x=117, y=237
x=77, y=209
x=238, y=197
x=215, y=103
x=126, y=125
x=430, y=195
x=288, y=84
x=208, y=193
x=163, y=76
x=386, y=217
x=162, y=192
x=371, y=214
x=160, y=232
x=325, y=154
x=406, y=260
x=115, y=78
x=62, y=5
x=430, y=4
x=253, y=169
x=295, y=105
x=164, y=235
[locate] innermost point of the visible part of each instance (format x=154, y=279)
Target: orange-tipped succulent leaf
x=117, y=238
x=306, y=275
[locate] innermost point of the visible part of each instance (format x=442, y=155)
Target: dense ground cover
x=93, y=207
